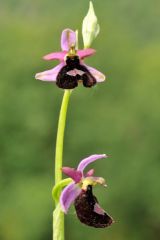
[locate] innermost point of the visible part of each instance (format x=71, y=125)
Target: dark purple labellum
x=73, y=72
x=89, y=212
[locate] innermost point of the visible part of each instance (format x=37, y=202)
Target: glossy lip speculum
x=80, y=193
x=71, y=69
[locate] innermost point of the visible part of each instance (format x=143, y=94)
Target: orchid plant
x=79, y=192
x=77, y=189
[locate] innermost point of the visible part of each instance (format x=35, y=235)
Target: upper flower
x=79, y=192
x=71, y=69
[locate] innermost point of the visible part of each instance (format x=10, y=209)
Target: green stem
x=58, y=216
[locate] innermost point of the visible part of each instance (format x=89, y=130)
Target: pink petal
x=100, y=77
x=68, y=38
x=68, y=195
x=84, y=163
x=55, y=56
x=49, y=75
x=86, y=52
x=74, y=174
x=89, y=173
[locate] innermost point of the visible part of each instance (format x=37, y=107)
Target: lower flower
x=79, y=192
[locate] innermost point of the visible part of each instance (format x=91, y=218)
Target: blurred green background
x=120, y=117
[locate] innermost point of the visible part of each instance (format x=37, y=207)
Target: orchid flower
x=80, y=193
x=71, y=70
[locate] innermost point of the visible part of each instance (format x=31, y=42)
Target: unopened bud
x=90, y=27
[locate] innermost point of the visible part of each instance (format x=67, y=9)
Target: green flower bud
x=90, y=27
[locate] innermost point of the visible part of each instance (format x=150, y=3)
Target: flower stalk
x=58, y=215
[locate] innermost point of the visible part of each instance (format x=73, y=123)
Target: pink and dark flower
x=79, y=193
x=71, y=70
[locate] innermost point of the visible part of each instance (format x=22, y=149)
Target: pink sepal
x=86, y=52
x=55, y=56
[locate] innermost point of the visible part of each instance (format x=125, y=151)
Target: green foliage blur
x=120, y=117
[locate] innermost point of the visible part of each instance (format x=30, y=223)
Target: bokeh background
x=120, y=117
